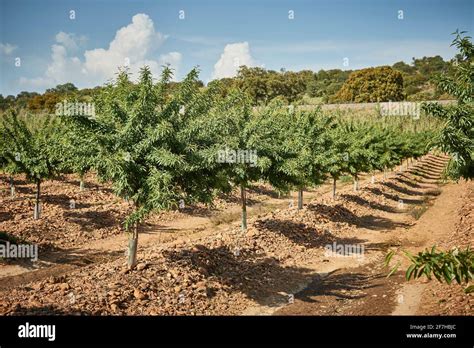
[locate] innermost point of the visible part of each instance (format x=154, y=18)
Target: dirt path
x=438, y=222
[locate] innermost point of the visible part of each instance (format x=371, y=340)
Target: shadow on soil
x=337, y=284
x=339, y=213
x=364, y=202
x=92, y=220
x=302, y=234
x=258, y=277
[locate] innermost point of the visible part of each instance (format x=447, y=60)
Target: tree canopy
x=372, y=85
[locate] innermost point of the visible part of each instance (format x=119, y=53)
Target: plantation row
x=160, y=147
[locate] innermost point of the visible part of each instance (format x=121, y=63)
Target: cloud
x=133, y=46
x=7, y=48
x=173, y=60
x=62, y=69
x=234, y=56
x=70, y=41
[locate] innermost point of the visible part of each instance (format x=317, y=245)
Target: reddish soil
x=218, y=270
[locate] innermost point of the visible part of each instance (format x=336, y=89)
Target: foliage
x=45, y=102
x=372, y=85
x=265, y=85
x=252, y=144
x=31, y=149
x=79, y=148
x=457, y=135
x=308, y=140
x=452, y=265
x=63, y=89
x=148, y=145
x=358, y=154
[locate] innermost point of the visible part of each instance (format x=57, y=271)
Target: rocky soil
x=227, y=272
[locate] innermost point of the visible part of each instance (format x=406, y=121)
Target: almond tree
x=337, y=156
x=147, y=146
x=248, y=146
x=32, y=149
x=5, y=165
x=79, y=149
x=308, y=138
x=359, y=153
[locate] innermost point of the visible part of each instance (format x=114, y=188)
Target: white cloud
x=132, y=46
x=173, y=60
x=7, y=48
x=70, y=41
x=234, y=56
x=62, y=69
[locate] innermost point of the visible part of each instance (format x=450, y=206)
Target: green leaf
x=469, y=289
x=409, y=272
x=394, y=269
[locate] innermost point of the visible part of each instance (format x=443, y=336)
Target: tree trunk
x=132, y=247
x=12, y=186
x=300, y=199
x=37, y=211
x=81, y=183
x=244, y=208
x=385, y=173
x=372, y=180
x=356, y=183
x=333, y=188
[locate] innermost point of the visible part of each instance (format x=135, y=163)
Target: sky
x=44, y=43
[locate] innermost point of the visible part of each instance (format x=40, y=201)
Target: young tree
x=359, y=153
x=388, y=149
x=8, y=166
x=337, y=156
x=5, y=165
x=79, y=148
x=308, y=138
x=248, y=145
x=32, y=149
x=147, y=144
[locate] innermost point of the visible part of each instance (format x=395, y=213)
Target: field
x=197, y=261
x=192, y=172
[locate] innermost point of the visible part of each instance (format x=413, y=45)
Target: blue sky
x=216, y=35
